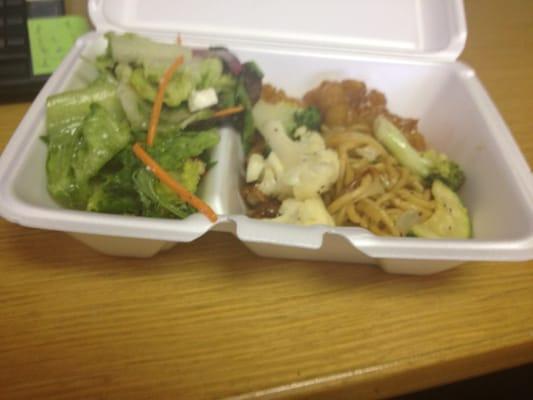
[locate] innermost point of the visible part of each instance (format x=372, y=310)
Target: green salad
x=90, y=132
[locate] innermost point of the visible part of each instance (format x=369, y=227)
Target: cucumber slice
x=450, y=220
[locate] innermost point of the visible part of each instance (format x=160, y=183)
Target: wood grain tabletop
x=211, y=320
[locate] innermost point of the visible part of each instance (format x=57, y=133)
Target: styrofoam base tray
x=456, y=116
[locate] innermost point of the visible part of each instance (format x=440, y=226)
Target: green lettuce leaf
x=114, y=189
x=102, y=136
x=133, y=49
x=69, y=109
x=65, y=115
x=178, y=89
x=196, y=75
x=77, y=152
x=171, y=151
x=143, y=87
x=226, y=91
x=61, y=182
x=182, y=156
x=209, y=73
x=160, y=201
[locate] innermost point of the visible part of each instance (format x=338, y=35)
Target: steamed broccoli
x=442, y=168
x=309, y=117
x=430, y=165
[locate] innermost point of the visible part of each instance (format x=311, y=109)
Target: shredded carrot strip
x=158, y=101
x=228, y=111
x=173, y=184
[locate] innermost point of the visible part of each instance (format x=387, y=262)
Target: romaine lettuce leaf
x=160, y=201
x=143, y=87
x=69, y=109
x=102, y=136
x=209, y=73
x=196, y=75
x=247, y=93
x=180, y=155
x=61, y=182
x=178, y=90
x=65, y=114
x=114, y=196
x=77, y=153
x=114, y=189
x=133, y=49
x=171, y=151
x=226, y=91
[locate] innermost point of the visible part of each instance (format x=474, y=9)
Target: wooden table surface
x=212, y=320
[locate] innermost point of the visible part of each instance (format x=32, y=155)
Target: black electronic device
x=17, y=80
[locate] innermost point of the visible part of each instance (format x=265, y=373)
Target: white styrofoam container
x=407, y=52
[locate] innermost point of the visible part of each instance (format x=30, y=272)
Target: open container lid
x=425, y=29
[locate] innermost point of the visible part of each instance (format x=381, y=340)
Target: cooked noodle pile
x=373, y=190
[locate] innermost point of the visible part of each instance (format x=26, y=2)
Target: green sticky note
x=51, y=38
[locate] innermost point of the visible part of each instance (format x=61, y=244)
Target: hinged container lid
x=426, y=29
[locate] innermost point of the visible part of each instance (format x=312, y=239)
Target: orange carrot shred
x=173, y=184
x=158, y=101
x=228, y=111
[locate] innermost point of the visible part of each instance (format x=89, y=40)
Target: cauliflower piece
x=256, y=165
x=301, y=168
x=311, y=211
x=268, y=184
x=297, y=172
x=275, y=163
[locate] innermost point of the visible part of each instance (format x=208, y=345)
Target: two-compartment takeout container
x=404, y=48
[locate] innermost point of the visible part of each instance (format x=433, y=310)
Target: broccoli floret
x=309, y=117
x=430, y=165
x=443, y=169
